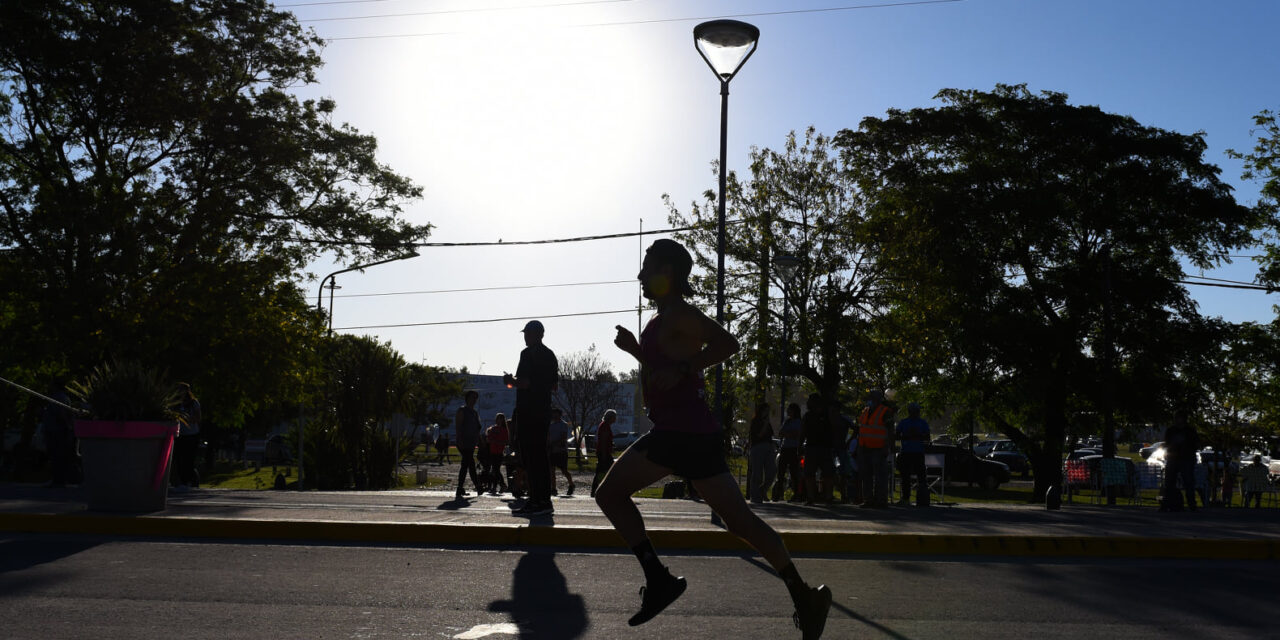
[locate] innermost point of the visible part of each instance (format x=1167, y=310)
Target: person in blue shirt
x=913, y=431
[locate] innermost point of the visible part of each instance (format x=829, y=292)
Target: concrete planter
x=126, y=464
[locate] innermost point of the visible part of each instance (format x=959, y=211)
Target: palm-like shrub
x=127, y=390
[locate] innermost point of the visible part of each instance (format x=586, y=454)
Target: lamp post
x=725, y=45
x=359, y=267
x=320, y=306
x=787, y=266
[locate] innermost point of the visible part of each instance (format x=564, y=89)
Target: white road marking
x=482, y=630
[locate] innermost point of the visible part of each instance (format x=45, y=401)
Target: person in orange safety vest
x=874, y=443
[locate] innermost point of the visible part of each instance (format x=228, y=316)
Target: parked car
x=1015, y=460
x=963, y=466
x=1004, y=451
x=1216, y=460
x=1146, y=451
x=1083, y=452
x=621, y=439
x=981, y=449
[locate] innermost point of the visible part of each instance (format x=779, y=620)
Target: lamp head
x=725, y=45
x=787, y=266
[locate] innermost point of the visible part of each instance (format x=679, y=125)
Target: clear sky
x=541, y=119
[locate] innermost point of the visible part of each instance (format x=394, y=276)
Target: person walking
x=788, y=464
x=535, y=380
x=1181, y=443
x=819, y=460
x=188, y=442
x=497, y=437
x=763, y=455
x=558, y=450
x=873, y=450
x=604, y=448
x=687, y=440
x=913, y=431
x=466, y=424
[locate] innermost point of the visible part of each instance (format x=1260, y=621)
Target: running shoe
x=811, y=616
x=655, y=597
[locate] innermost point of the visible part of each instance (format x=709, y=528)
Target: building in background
x=496, y=398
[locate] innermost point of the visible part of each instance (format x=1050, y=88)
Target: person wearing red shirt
x=604, y=448
x=496, y=436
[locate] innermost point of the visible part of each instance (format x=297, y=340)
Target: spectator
x=788, y=464
x=913, y=431
x=840, y=426
x=604, y=448
x=442, y=446
x=1253, y=477
x=761, y=455
x=466, y=423
x=188, y=443
x=497, y=438
x=535, y=380
x=558, y=450
x=58, y=426
x=874, y=442
x=819, y=461
x=1181, y=443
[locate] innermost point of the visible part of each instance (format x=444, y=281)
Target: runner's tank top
x=681, y=408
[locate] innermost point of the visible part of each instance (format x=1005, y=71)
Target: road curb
x=527, y=535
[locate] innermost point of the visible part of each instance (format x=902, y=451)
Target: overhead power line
x=541, y=317
x=453, y=11
x=499, y=243
x=620, y=23
x=526, y=286
x=1249, y=287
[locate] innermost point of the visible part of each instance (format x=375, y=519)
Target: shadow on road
x=541, y=605
x=835, y=606
x=19, y=554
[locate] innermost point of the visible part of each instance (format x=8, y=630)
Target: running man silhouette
x=678, y=342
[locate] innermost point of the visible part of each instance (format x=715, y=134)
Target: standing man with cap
x=535, y=380
x=913, y=431
x=677, y=343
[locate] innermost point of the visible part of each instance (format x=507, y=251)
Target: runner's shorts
x=692, y=456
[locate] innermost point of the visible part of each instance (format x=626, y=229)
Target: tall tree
x=800, y=201
x=1032, y=235
x=160, y=187
x=587, y=388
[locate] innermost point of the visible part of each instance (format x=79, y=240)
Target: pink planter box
x=126, y=464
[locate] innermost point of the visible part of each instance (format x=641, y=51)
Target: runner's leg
x=812, y=604
x=721, y=493
x=628, y=474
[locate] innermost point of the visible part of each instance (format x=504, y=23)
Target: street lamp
x=787, y=267
x=320, y=306
x=725, y=45
x=359, y=267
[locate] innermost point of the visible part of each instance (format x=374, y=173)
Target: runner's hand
x=626, y=340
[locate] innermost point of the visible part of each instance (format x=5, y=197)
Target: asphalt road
x=78, y=587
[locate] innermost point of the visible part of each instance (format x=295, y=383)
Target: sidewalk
x=432, y=517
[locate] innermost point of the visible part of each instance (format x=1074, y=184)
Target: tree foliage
x=1026, y=232
x=1262, y=163
x=161, y=187
x=800, y=201
x=587, y=387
